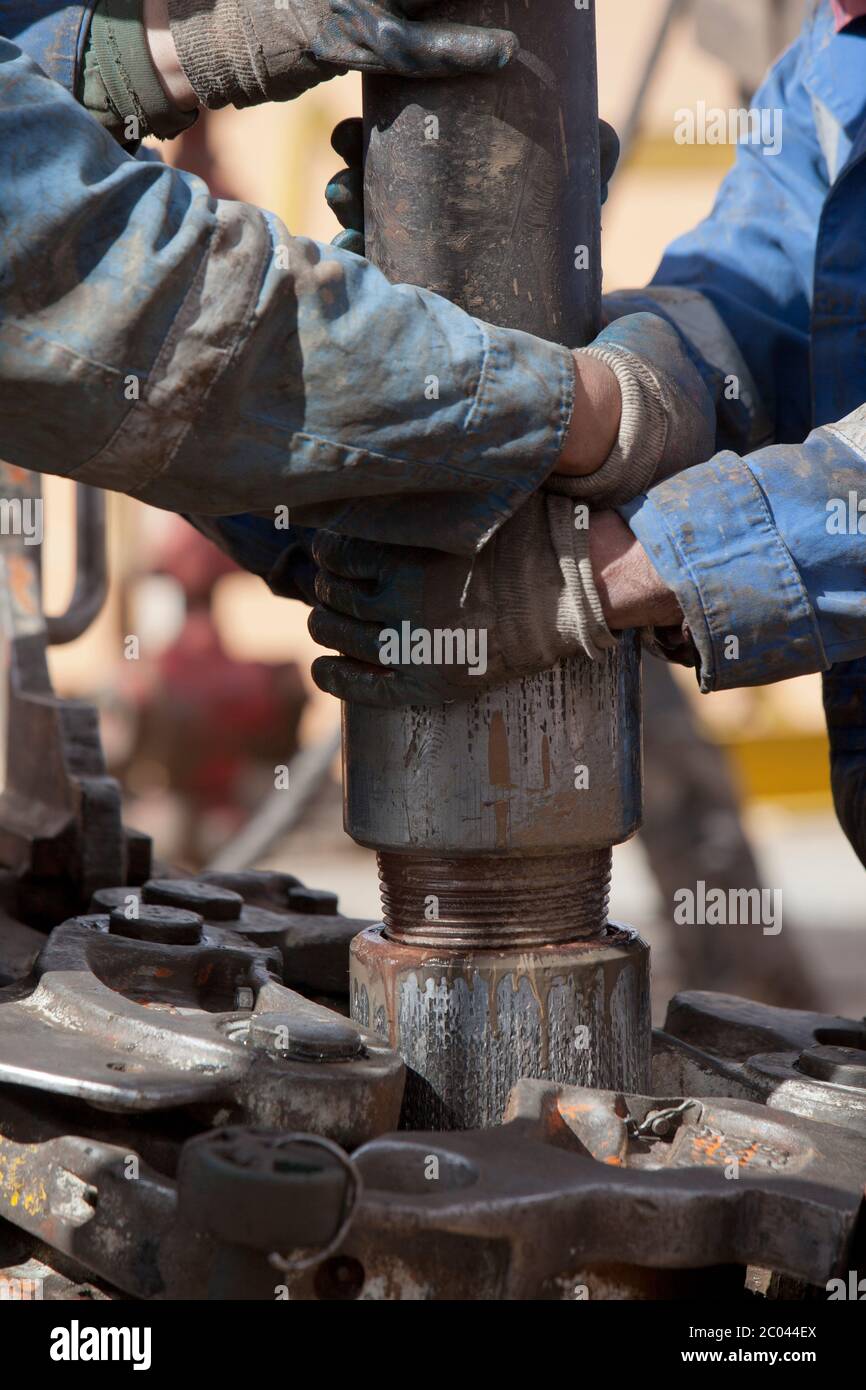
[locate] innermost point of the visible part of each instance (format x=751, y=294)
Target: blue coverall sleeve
x=52, y=32
x=765, y=547
x=739, y=285
x=192, y=353
x=753, y=257
x=767, y=555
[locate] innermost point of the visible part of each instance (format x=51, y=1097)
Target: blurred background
x=216, y=695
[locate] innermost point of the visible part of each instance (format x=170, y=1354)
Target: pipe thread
x=493, y=902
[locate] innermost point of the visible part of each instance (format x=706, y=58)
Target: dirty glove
x=118, y=82
x=418, y=627
x=345, y=191
x=668, y=417
x=243, y=52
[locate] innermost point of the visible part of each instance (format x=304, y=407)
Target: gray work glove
x=418, y=627
x=244, y=52
x=668, y=416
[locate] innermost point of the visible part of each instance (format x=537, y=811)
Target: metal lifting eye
x=354, y=1189
x=658, y=1123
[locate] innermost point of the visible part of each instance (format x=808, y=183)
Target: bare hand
x=632, y=593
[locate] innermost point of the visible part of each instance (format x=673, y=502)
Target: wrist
x=595, y=422
x=163, y=52
x=632, y=593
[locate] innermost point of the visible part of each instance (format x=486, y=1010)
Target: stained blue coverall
x=769, y=293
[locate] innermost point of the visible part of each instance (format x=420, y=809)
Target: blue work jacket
x=765, y=544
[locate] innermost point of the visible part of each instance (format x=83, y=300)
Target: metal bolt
x=305, y=1037
x=170, y=926
x=317, y=902
x=842, y=1066
x=107, y=899
x=214, y=903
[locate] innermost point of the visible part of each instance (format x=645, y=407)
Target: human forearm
x=642, y=413
x=595, y=420
x=632, y=593
x=163, y=50
x=766, y=556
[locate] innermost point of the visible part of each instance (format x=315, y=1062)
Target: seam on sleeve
x=845, y=438
x=138, y=419
x=480, y=403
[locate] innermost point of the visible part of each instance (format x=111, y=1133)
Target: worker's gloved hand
x=345, y=191
x=243, y=52
x=668, y=420
x=418, y=627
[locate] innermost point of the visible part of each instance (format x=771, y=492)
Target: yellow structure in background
x=789, y=768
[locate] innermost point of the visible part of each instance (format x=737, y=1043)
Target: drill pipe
x=494, y=818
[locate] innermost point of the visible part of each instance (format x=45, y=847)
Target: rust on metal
x=490, y=902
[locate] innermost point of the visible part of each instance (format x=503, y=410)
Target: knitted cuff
x=632, y=463
x=245, y=52
x=221, y=66
x=132, y=102
x=580, y=618
x=524, y=584
x=546, y=602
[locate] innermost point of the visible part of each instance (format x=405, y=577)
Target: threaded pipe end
x=491, y=902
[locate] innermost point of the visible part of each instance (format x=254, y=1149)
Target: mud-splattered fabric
x=766, y=546
x=193, y=354
x=769, y=296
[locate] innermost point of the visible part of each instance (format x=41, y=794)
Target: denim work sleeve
x=191, y=353
x=767, y=555
x=739, y=286
x=51, y=32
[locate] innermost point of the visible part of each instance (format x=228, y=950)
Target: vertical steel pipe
x=494, y=819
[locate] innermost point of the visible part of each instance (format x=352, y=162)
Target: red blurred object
x=209, y=715
x=214, y=728
x=196, y=564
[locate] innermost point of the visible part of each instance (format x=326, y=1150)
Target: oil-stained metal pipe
x=494, y=818
x=487, y=190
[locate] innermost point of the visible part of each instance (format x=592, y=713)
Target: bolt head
x=168, y=926
x=841, y=1066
